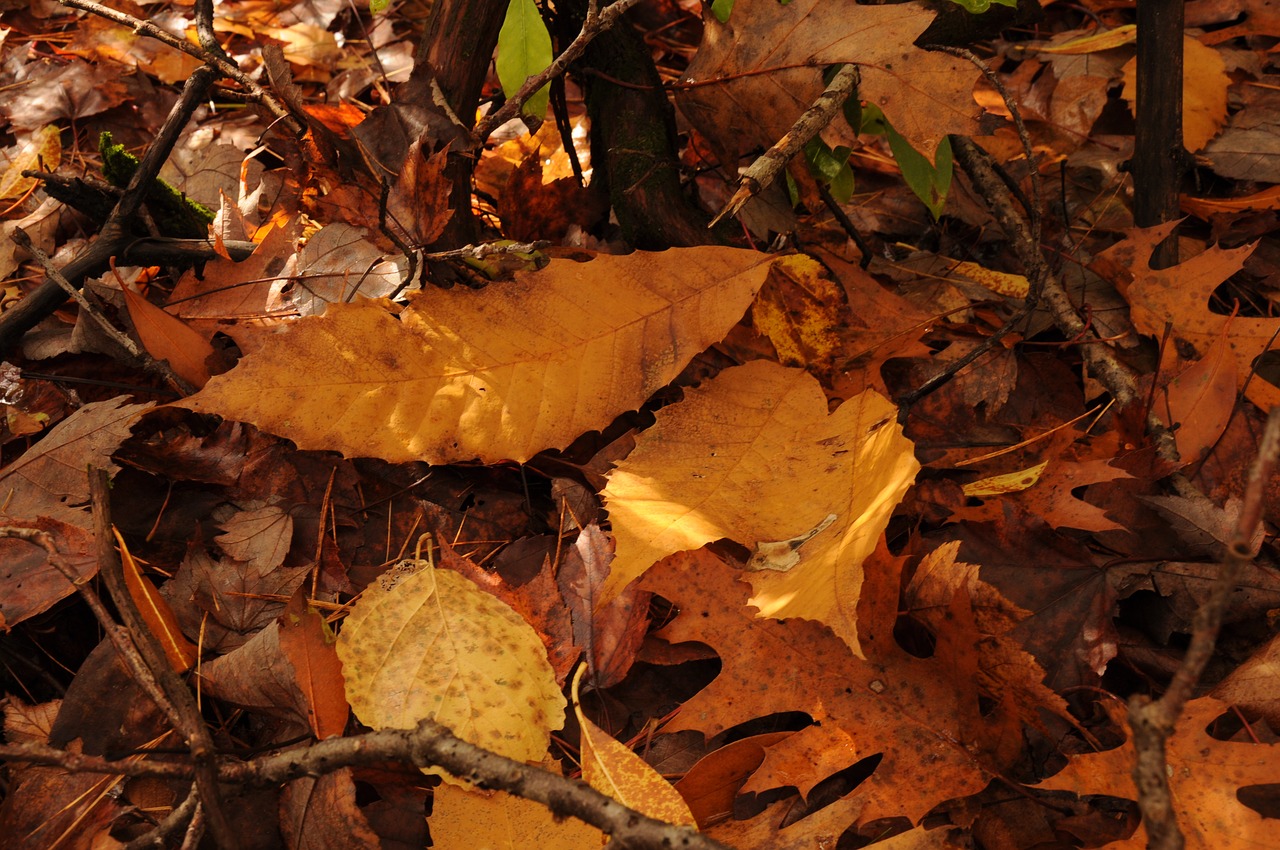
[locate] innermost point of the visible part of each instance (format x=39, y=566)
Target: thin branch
x=429, y=745
x=115, y=235
x=596, y=22
x=218, y=60
x=1033, y=207
x=1118, y=378
x=189, y=722
x=1153, y=722
x=765, y=169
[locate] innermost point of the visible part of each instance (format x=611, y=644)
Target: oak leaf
x=1180, y=296
x=498, y=374
x=927, y=718
x=1205, y=775
x=753, y=456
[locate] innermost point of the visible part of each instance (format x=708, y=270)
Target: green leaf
x=873, y=122
x=977, y=7
x=929, y=181
x=831, y=167
x=378, y=6
x=722, y=9
x=524, y=49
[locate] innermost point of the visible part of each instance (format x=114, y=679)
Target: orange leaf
x=169, y=338
x=156, y=612
x=308, y=644
x=1204, y=775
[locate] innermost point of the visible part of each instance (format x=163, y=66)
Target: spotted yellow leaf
x=428, y=643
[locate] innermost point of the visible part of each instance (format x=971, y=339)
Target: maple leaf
x=498, y=374
x=753, y=456
x=1205, y=775
x=925, y=95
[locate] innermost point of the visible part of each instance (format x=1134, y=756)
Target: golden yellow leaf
x=41, y=152
x=754, y=456
x=802, y=311
x=469, y=819
x=1094, y=42
x=496, y=374
x=1009, y=482
x=1001, y=283
x=431, y=644
x=612, y=769
x=1204, y=92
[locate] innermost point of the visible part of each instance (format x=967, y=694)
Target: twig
x=118, y=636
x=596, y=22
x=847, y=224
x=180, y=818
x=1033, y=207
x=429, y=745
x=114, y=236
x=91, y=312
x=176, y=693
x=218, y=60
x=765, y=169
x=1118, y=378
x=1153, y=722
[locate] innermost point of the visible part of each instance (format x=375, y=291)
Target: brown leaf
x=168, y=338
x=307, y=642
x=1205, y=775
x=1180, y=296
x=419, y=202
x=912, y=710
x=609, y=635
x=925, y=95
x=156, y=613
x=320, y=813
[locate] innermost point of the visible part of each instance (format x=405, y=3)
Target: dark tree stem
x=1159, y=159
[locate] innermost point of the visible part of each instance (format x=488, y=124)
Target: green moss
x=175, y=214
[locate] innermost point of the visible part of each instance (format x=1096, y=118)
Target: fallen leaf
x=427, y=643
x=1204, y=775
x=468, y=819
x=168, y=338
x=753, y=456
x=612, y=769
x=1180, y=296
x=156, y=613
x=498, y=374
x=750, y=91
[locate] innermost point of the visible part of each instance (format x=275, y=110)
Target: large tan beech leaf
x=496, y=374
x=753, y=456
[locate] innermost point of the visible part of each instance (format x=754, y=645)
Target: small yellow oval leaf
x=434, y=645
x=1010, y=482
